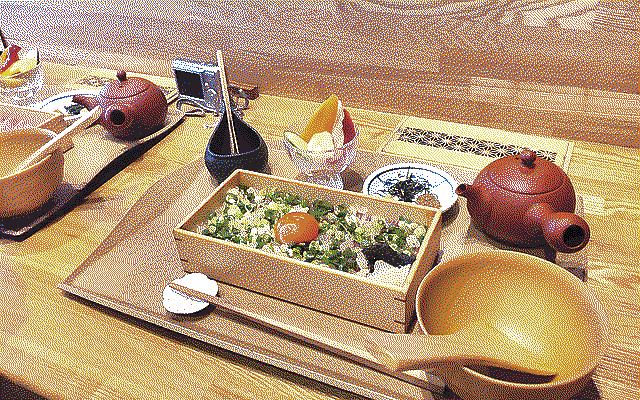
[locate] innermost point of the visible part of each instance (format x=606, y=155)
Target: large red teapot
x=526, y=201
x=132, y=107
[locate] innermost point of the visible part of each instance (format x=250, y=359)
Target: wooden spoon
x=474, y=345
x=80, y=124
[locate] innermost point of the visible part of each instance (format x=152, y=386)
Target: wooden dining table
x=58, y=346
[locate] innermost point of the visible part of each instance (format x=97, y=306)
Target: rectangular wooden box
x=356, y=298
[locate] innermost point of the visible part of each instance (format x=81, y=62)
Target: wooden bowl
x=27, y=190
x=534, y=302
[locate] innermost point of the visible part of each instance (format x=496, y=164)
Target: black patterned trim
x=464, y=144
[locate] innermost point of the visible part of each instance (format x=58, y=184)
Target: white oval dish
x=443, y=186
x=179, y=303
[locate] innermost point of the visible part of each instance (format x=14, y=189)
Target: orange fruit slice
x=323, y=119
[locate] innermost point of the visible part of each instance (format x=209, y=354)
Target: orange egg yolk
x=296, y=227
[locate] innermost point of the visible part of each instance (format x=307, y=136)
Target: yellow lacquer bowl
x=26, y=191
x=534, y=302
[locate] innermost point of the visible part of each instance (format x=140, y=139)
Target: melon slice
x=296, y=140
x=20, y=66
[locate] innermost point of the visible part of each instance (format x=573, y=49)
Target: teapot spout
x=89, y=102
x=466, y=190
x=566, y=232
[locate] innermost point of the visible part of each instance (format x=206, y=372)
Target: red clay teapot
x=132, y=107
x=526, y=201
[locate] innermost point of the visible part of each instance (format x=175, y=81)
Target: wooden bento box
x=342, y=294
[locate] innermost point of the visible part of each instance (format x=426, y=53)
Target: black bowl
x=252, y=150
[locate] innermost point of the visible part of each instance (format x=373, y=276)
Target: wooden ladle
x=479, y=345
x=80, y=124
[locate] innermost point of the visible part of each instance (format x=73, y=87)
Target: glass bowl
x=21, y=88
x=323, y=167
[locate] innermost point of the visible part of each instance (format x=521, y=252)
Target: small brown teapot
x=528, y=202
x=132, y=107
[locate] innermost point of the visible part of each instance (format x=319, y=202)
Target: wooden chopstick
x=222, y=304
x=305, y=336
x=80, y=124
x=233, y=142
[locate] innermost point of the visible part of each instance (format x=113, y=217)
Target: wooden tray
x=17, y=117
x=129, y=270
x=95, y=158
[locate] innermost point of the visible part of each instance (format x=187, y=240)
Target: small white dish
x=180, y=303
x=58, y=102
x=443, y=186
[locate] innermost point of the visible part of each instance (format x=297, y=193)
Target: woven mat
x=469, y=146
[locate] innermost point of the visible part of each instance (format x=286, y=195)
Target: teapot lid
x=124, y=87
x=526, y=173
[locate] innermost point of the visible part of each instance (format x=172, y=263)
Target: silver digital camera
x=198, y=84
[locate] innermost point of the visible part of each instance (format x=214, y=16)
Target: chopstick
x=222, y=304
x=233, y=142
x=305, y=336
x=81, y=123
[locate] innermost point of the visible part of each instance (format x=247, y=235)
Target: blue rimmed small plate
x=58, y=102
x=440, y=183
